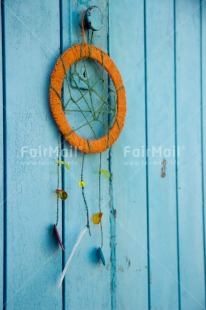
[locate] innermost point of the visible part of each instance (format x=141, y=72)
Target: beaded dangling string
x=58, y=179
x=100, y=209
x=82, y=184
x=60, y=194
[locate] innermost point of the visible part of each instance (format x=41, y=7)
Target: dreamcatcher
x=89, y=112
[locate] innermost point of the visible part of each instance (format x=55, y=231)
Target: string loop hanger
x=91, y=18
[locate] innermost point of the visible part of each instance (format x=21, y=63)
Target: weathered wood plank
x=189, y=169
x=87, y=282
x=203, y=119
x=33, y=38
x=129, y=175
x=161, y=155
x=33, y=257
x=1, y=171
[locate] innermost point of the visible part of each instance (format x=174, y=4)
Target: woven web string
x=99, y=108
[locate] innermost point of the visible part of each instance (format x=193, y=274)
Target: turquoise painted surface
x=160, y=115
x=203, y=98
x=33, y=260
x=190, y=191
x=91, y=279
x=155, y=246
x=1, y=180
x=129, y=181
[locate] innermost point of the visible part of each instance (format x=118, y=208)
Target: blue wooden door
x=154, y=205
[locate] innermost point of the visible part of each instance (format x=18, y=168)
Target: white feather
x=81, y=235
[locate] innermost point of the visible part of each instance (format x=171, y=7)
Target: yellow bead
x=96, y=218
x=82, y=183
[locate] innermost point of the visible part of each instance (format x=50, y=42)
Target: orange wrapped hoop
x=66, y=60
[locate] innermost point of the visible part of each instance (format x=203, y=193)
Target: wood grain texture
x=161, y=143
x=129, y=173
x=189, y=168
x=33, y=256
x=1, y=170
x=154, y=227
x=87, y=282
x=203, y=119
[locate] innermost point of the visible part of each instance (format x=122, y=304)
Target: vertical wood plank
x=34, y=258
x=203, y=119
x=87, y=283
x=189, y=169
x=1, y=167
x=161, y=144
x=128, y=167
x=34, y=261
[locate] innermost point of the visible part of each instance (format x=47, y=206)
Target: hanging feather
x=81, y=235
x=58, y=237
